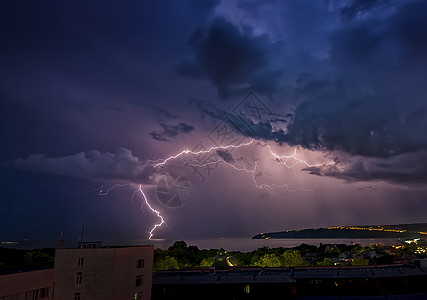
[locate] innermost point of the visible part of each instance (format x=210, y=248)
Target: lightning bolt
x=162, y=221
x=104, y=192
x=282, y=159
x=250, y=171
x=161, y=162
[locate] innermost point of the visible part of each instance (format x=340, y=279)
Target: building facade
x=103, y=273
x=27, y=285
x=379, y=282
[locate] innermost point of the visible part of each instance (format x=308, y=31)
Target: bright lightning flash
x=162, y=221
x=104, y=192
x=282, y=159
x=164, y=161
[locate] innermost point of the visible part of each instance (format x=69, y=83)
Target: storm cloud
x=225, y=155
x=171, y=131
x=343, y=83
x=94, y=165
x=233, y=61
x=369, y=104
x=407, y=169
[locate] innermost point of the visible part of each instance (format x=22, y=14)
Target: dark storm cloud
x=359, y=7
x=206, y=108
x=64, y=63
x=402, y=169
x=225, y=155
x=407, y=28
x=171, y=131
x=261, y=130
x=384, y=52
x=121, y=165
x=233, y=61
x=157, y=136
x=69, y=70
x=334, y=116
x=377, y=107
x=38, y=126
x=162, y=112
x=80, y=75
x=93, y=48
x=375, y=110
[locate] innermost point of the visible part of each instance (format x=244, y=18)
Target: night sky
x=94, y=94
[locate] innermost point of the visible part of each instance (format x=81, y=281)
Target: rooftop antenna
x=61, y=241
x=222, y=242
x=81, y=235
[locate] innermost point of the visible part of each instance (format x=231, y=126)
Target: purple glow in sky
x=91, y=93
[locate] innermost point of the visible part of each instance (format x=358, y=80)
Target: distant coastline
x=399, y=231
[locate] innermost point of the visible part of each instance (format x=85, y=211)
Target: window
x=79, y=278
x=140, y=263
x=138, y=281
x=80, y=261
x=35, y=294
x=42, y=293
x=138, y=296
x=247, y=289
x=77, y=296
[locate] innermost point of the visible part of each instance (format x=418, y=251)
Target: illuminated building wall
x=27, y=285
x=104, y=273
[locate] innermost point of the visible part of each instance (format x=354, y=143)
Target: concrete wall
x=20, y=284
x=107, y=273
x=97, y=273
x=126, y=272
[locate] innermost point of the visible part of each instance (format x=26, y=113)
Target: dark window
x=138, y=281
x=77, y=296
x=44, y=293
x=140, y=263
x=35, y=294
x=80, y=261
x=79, y=278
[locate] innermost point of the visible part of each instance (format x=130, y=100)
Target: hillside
x=403, y=231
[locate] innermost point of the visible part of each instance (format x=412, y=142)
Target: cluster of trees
x=179, y=255
x=14, y=257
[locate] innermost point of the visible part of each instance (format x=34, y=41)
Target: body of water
x=243, y=244
x=246, y=244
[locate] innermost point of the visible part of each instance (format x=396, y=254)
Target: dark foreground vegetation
x=179, y=256
x=12, y=260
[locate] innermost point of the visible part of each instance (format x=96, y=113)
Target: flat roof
x=25, y=268
x=223, y=278
x=282, y=275
x=106, y=247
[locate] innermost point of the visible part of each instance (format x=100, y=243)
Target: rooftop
x=284, y=275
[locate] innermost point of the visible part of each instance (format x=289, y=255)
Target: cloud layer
x=94, y=165
x=232, y=61
x=171, y=131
